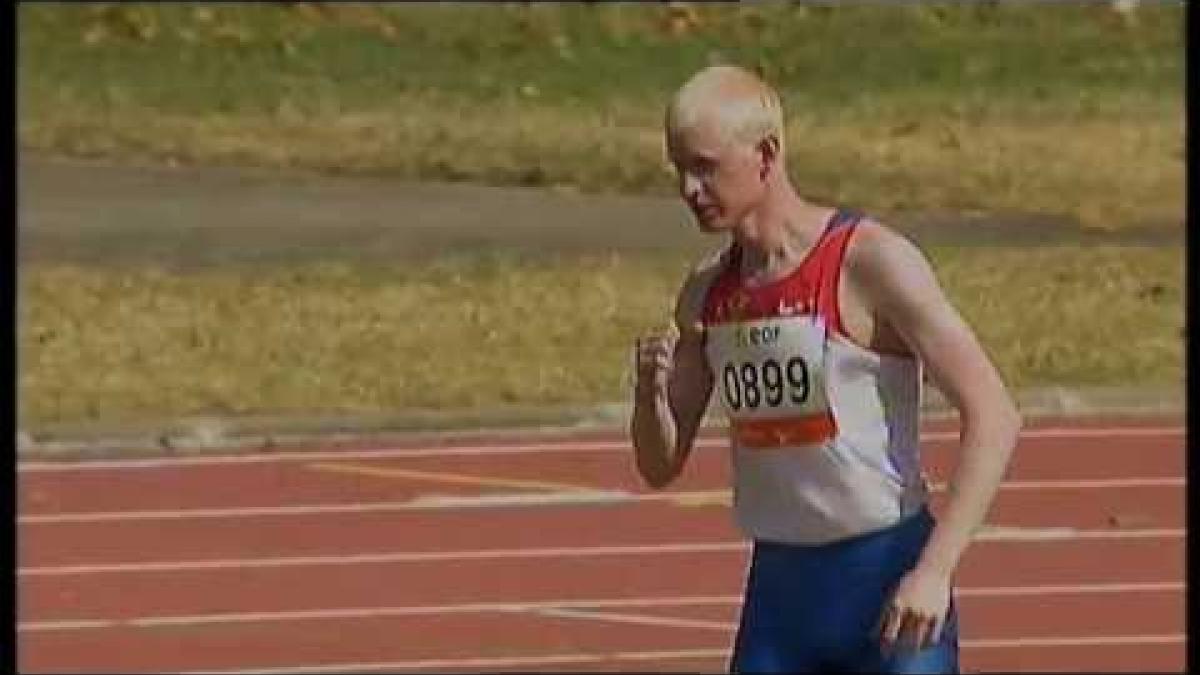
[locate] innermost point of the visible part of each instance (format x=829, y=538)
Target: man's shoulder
x=705, y=270
x=700, y=279
x=890, y=270
x=714, y=260
x=876, y=244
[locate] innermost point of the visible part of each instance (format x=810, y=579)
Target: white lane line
x=499, y=448
x=579, y=497
x=1071, y=589
x=376, y=612
x=1084, y=641
x=383, y=558
x=636, y=619
x=1034, y=534
x=1090, y=483
x=222, y=513
x=360, y=613
x=516, y=447
x=1009, y=534
x=71, y=625
x=530, y=660
x=469, y=664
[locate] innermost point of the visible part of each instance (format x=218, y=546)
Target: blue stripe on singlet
x=844, y=218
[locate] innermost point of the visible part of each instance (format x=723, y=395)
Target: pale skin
x=891, y=303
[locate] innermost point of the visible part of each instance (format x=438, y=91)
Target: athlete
x=815, y=326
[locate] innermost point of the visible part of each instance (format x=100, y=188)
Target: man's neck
x=778, y=235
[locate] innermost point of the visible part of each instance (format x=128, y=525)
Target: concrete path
x=89, y=211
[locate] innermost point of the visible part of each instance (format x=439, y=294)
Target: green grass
x=131, y=344
x=1046, y=108
x=246, y=57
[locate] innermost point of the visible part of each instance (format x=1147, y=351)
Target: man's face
x=720, y=179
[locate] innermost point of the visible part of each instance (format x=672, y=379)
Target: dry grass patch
x=103, y=344
x=1104, y=172
x=1081, y=169
x=113, y=345
x=1060, y=315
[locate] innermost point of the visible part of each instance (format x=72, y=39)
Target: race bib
x=771, y=378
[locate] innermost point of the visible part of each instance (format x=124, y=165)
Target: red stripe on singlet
x=780, y=432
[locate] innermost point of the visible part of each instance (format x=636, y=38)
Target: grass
x=1066, y=109
x=129, y=344
x=1063, y=109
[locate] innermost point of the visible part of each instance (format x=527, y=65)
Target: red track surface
x=370, y=560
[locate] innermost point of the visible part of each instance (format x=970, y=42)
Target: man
x=814, y=325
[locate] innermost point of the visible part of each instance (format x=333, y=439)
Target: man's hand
x=917, y=611
x=655, y=357
x=672, y=386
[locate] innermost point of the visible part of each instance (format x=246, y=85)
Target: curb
x=221, y=435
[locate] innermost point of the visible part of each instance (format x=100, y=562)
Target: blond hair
x=743, y=107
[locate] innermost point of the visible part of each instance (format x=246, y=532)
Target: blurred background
x=294, y=209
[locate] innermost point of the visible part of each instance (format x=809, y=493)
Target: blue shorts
x=817, y=608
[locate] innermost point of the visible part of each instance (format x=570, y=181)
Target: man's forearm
x=984, y=455
x=655, y=435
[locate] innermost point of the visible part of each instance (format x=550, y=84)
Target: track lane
x=621, y=573
x=114, y=541
x=709, y=573
x=251, y=644
x=81, y=487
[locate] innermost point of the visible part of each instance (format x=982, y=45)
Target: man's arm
x=672, y=389
x=901, y=286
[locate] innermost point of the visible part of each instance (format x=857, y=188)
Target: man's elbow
x=1011, y=421
x=1015, y=419
x=1000, y=421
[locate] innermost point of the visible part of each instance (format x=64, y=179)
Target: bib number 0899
x=751, y=385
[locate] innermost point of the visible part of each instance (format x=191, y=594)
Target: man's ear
x=768, y=154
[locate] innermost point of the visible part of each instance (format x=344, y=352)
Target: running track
x=545, y=553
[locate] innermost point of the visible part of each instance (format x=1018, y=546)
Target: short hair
x=744, y=107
